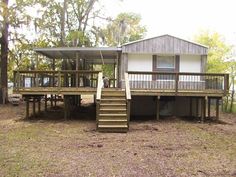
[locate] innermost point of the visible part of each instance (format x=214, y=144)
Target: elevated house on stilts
x=159, y=76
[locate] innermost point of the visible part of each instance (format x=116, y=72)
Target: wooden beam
x=27, y=108
x=77, y=69
x=51, y=100
x=34, y=112
x=39, y=105
x=46, y=102
x=190, y=107
x=209, y=108
x=65, y=107
x=203, y=109
x=197, y=107
x=217, y=108
x=55, y=100
x=158, y=108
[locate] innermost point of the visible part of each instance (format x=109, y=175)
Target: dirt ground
x=50, y=146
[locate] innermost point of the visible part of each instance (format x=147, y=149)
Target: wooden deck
x=55, y=82
x=55, y=90
x=178, y=84
x=141, y=83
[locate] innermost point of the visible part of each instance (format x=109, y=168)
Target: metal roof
x=83, y=52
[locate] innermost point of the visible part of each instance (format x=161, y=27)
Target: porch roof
x=91, y=54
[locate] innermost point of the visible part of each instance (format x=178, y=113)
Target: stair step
x=112, y=122
x=112, y=90
x=112, y=115
x=112, y=126
x=113, y=96
x=112, y=106
x=112, y=111
x=117, y=100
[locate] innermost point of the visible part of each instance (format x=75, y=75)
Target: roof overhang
x=96, y=55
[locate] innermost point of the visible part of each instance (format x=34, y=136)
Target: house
x=159, y=76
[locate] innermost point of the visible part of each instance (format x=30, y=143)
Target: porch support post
x=190, y=107
x=55, y=100
x=158, y=108
x=51, y=99
x=34, y=113
x=27, y=108
x=77, y=69
x=197, y=107
x=118, y=69
x=46, y=102
x=209, y=108
x=39, y=104
x=203, y=107
x=65, y=108
x=79, y=101
x=217, y=108
x=123, y=67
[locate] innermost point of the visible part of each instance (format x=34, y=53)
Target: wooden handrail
x=127, y=87
x=50, y=71
x=99, y=86
x=173, y=73
x=179, y=81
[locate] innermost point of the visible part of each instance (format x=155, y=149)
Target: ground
x=50, y=146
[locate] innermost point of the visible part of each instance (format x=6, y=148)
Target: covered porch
x=74, y=70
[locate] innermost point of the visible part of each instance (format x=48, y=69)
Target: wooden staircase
x=112, y=111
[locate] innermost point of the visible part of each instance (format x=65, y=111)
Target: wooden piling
x=209, y=108
x=158, y=108
x=27, y=108
x=51, y=99
x=46, y=103
x=34, y=112
x=197, y=107
x=190, y=107
x=55, y=100
x=39, y=105
x=203, y=109
x=217, y=108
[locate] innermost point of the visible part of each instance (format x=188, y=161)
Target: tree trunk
x=63, y=17
x=4, y=55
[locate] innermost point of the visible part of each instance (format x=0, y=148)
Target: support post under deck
x=27, y=108
x=203, y=109
x=217, y=108
x=158, y=108
x=190, y=107
x=209, y=108
x=39, y=105
x=34, y=112
x=46, y=103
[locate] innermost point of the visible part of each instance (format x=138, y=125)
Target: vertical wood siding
x=165, y=44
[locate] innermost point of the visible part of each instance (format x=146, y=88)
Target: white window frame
x=165, y=56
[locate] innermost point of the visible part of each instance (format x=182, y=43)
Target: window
x=166, y=62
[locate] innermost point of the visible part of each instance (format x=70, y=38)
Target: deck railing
x=63, y=78
x=128, y=96
x=179, y=81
